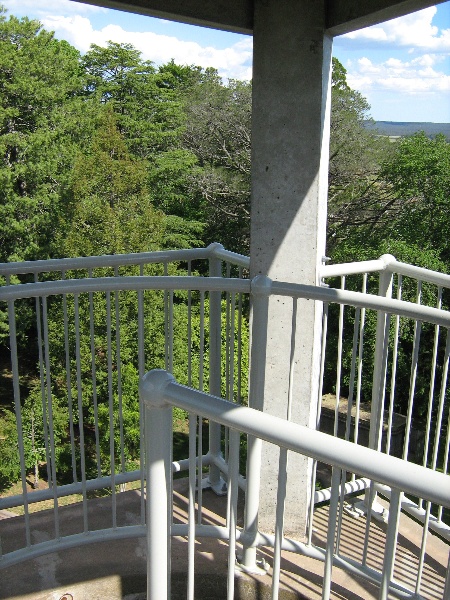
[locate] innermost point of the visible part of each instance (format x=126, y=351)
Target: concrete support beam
x=290, y=141
x=343, y=16
x=231, y=15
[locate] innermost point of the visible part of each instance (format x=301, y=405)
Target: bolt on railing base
x=261, y=567
x=377, y=511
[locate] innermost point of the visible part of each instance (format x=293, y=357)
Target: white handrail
x=159, y=388
x=420, y=273
x=358, y=299
x=218, y=251
x=135, y=283
x=354, y=268
x=108, y=260
x=118, y=260
x=389, y=263
x=129, y=283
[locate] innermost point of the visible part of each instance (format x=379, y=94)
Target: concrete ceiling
x=341, y=16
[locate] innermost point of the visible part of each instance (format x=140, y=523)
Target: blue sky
x=402, y=67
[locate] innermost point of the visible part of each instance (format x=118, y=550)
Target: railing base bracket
x=378, y=512
x=260, y=568
x=220, y=488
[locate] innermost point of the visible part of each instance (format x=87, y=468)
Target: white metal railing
x=159, y=392
x=94, y=318
x=96, y=297
x=410, y=365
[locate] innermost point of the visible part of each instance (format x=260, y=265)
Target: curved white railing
x=215, y=303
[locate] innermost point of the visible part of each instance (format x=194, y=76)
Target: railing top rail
x=354, y=268
x=440, y=279
x=258, y=285
x=392, y=306
x=218, y=251
x=389, y=263
x=159, y=387
x=108, y=260
x=119, y=260
x=117, y=284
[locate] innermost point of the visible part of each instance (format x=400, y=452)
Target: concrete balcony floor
x=114, y=570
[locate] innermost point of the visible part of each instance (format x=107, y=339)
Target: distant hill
x=397, y=128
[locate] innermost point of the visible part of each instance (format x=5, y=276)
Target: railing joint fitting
x=261, y=285
x=152, y=387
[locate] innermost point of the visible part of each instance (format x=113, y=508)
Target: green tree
x=218, y=132
x=419, y=178
x=148, y=114
x=39, y=80
x=356, y=195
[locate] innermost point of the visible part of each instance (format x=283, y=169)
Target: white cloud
x=415, y=31
x=418, y=76
x=231, y=62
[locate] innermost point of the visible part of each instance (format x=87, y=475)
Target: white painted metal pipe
x=397, y=473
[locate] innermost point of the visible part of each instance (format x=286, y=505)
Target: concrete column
x=290, y=141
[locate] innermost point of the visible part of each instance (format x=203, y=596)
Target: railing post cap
x=152, y=386
x=214, y=246
x=388, y=259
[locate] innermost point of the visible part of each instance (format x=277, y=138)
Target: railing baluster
x=80, y=410
x=50, y=415
x=232, y=342
x=42, y=381
x=111, y=411
x=69, y=383
x=391, y=543
x=339, y=362
x=379, y=377
x=239, y=346
x=94, y=379
x=445, y=463
x=370, y=496
x=215, y=366
x=18, y=411
x=394, y=369
x=440, y=414
x=191, y=503
x=360, y=363
x=279, y=522
x=319, y=406
x=232, y=501
x=413, y=375
x=331, y=532
x=423, y=546
x=119, y=374
x=351, y=386
x=141, y=367
x=200, y=424
x=166, y=322
x=200, y=472
x=189, y=330
x=227, y=359
x=170, y=325
x=432, y=387
x=380, y=364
